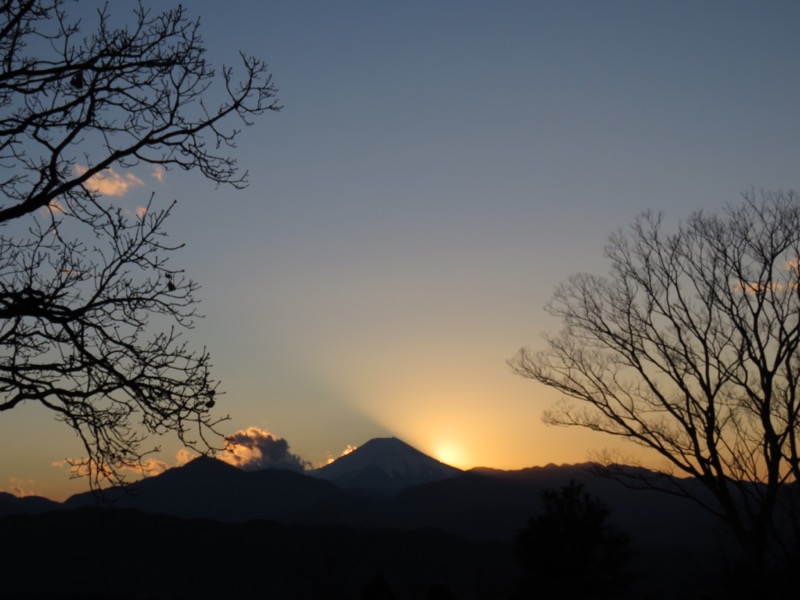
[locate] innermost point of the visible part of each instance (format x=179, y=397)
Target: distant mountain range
x=386, y=485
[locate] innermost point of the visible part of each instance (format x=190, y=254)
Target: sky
x=436, y=170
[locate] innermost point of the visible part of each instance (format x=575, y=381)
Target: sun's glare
x=449, y=453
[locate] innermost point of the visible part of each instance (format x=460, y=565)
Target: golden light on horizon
x=450, y=453
x=466, y=425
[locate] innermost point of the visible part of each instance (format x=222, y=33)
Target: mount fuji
x=438, y=513
x=384, y=464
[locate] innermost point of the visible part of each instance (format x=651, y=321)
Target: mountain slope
x=124, y=554
x=385, y=464
x=672, y=536
x=12, y=505
x=209, y=488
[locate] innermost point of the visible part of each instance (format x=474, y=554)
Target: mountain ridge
x=371, y=488
x=384, y=464
x=479, y=506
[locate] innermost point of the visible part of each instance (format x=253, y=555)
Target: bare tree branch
x=690, y=347
x=91, y=310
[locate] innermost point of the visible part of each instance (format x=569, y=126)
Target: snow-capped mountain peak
x=385, y=464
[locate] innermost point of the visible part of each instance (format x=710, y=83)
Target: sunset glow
x=450, y=454
x=436, y=172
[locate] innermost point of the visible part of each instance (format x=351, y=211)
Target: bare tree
x=91, y=310
x=689, y=348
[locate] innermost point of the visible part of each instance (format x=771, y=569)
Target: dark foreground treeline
x=121, y=554
x=109, y=553
x=279, y=534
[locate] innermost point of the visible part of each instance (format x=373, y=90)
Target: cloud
x=79, y=467
x=21, y=488
x=158, y=173
x=249, y=449
x=151, y=467
x=347, y=450
x=141, y=211
x=253, y=448
x=57, y=206
x=109, y=182
x=772, y=286
x=184, y=456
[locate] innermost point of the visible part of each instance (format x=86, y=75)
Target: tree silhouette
x=690, y=347
x=91, y=310
x=570, y=551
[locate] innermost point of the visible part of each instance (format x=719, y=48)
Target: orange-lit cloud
x=253, y=448
x=79, y=467
x=151, y=467
x=792, y=267
x=73, y=273
x=141, y=211
x=57, y=206
x=758, y=288
x=249, y=449
x=184, y=456
x=158, y=173
x=347, y=450
x=109, y=182
x=22, y=488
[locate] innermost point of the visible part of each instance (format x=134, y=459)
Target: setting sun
x=449, y=453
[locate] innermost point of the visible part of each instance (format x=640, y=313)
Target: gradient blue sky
x=438, y=168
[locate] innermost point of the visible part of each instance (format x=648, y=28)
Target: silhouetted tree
x=690, y=347
x=90, y=307
x=377, y=589
x=570, y=551
x=439, y=591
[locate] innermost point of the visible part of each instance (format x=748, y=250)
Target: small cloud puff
x=80, y=467
x=252, y=449
x=109, y=182
x=184, y=456
x=56, y=206
x=249, y=449
x=347, y=450
x=21, y=488
x=158, y=173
